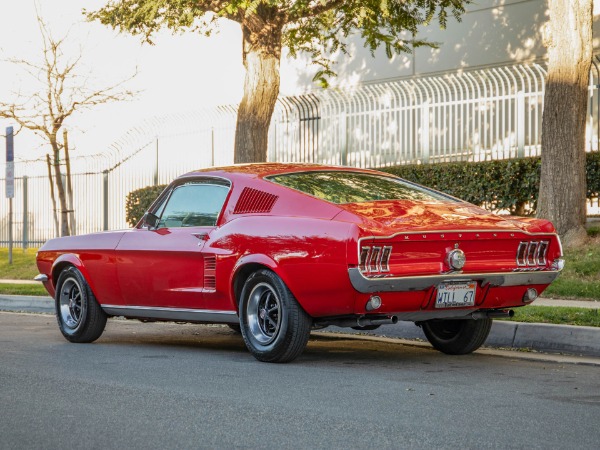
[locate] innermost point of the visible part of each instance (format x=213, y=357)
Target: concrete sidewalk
x=565, y=339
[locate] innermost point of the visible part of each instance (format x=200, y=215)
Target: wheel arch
x=245, y=267
x=65, y=260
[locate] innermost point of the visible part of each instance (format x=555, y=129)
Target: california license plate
x=456, y=294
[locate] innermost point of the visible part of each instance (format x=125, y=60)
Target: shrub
x=138, y=202
x=509, y=184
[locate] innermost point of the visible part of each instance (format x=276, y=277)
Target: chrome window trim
x=421, y=283
x=182, y=314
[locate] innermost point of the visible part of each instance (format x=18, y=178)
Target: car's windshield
x=355, y=187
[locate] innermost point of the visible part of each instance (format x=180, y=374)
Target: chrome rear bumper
x=421, y=283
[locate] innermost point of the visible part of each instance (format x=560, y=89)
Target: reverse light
x=530, y=295
x=373, y=303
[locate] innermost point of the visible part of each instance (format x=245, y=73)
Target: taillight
x=532, y=253
x=375, y=259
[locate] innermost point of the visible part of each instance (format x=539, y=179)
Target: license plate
x=455, y=294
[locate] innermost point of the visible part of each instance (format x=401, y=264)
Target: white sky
x=180, y=73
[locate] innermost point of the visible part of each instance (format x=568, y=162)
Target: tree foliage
x=318, y=28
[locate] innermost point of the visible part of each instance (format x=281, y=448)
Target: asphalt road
x=190, y=386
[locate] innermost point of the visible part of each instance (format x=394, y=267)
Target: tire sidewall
x=471, y=335
x=279, y=343
x=75, y=275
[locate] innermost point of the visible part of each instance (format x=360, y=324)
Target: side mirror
x=151, y=221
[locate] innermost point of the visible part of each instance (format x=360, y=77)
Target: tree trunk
x=562, y=197
x=62, y=196
x=261, y=56
x=72, y=226
x=52, y=197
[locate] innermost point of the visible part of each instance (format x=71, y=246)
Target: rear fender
x=255, y=262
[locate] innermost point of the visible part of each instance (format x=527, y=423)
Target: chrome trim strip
x=428, y=232
x=41, y=277
x=421, y=283
x=182, y=314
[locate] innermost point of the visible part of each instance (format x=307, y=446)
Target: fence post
x=425, y=131
x=344, y=138
x=156, y=167
x=105, y=199
x=25, y=215
x=520, y=124
x=212, y=147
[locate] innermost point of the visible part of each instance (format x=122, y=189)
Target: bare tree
x=47, y=111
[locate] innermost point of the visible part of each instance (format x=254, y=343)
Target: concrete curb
x=565, y=339
x=27, y=303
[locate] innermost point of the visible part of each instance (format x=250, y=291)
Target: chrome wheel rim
x=70, y=303
x=264, y=313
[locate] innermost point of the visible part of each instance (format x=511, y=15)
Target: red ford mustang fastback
x=278, y=249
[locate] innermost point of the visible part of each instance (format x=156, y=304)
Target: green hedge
x=139, y=201
x=506, y=184
x=510, y=184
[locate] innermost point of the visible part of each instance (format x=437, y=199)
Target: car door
x=163, y=267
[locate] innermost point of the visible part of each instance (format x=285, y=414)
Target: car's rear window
x=355, y=187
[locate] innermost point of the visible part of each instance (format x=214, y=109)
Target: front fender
x=69, y=259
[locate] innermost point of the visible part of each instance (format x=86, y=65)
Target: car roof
x=262, y=170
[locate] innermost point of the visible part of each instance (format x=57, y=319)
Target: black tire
x=80, y=317
x=457, y=337
x=274, y=326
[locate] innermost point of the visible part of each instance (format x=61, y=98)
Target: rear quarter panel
x=310, y=255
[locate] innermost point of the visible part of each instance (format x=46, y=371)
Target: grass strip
x=23, y=266
x=559, y=315
x=23, y=289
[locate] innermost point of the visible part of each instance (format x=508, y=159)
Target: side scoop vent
x=254, y=201
x=210, y=272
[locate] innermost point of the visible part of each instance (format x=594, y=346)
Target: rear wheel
x=457, y=337
x=80, y=317
x=274, y=326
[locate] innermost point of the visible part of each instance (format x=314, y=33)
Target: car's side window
x=193, y=205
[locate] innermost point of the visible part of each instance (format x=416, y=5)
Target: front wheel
x=274, y=326
x=80, y=317
x=457, y=337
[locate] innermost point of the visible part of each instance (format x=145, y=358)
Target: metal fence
x=477, y=115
